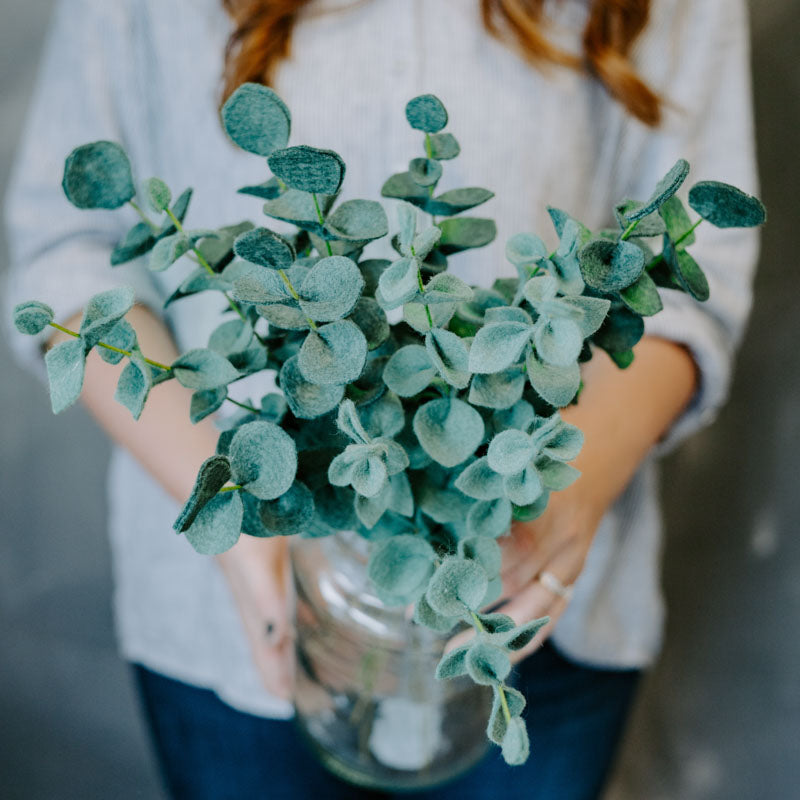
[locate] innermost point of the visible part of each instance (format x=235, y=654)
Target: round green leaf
x=308, y=169
x=516, y=747
x=557, y=341
x=158, y=194
x=443, y=146
x=358, y=221
x=486, y=664
x=333, y=354
x=401, y=566
x=449, y=354
x=409, y=370
x=213, y=474
x=610, y=266
x=202, y=368
x=263, y=247
x=525, y=249
x=458, y=585
x=307, y=400
x=424, y=171
x=32, y=317
x=331, y=289
x=290, y=513
x=726, y=206
x=263, y=459
x=510, y=452
x=426, y=113
x=98, y=175
x=449, y=430
x=256, y=119
x=218, y=524
x=371, y=319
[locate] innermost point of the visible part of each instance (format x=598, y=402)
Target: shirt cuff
x=684, y=321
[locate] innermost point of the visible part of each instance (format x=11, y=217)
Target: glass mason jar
x=367, y=698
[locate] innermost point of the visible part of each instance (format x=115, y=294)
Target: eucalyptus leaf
x=134, y=384
x=443, y=146
x=333, y=354
x=202, y=368
x=290, y=513
x=308, y=169
x=449, y=355
x=400, y=567
x=331, y=289
x=449, y=430
x=464, y=233
x=409, y=370
x=358, y=220
x=263, y=247
x=213, y=474
x=725, y=206
x=65, y=370
x=98, y=175
x=424, y=171
x=307, y=400
x=426, y=113
x=256, y=119
x=665, y=189
x=457, y=587
x=263, y=459
x=610, y=266
x=32, y=317
x=136, y=242
x=218, y=524
x=158, y=194
x=103, y=312
x=455, y=201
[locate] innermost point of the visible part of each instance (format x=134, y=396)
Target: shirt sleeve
x=696, y=54
x=58, y=253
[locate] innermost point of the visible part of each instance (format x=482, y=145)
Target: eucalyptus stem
x=243, y=405
x=296, y=296
x=152, y=225
x=478, y=625
x=685, y=235
x=204, y=263
x=230, y=488
x=629, y=230
x=128, y=353
x=422, y=286
x=321, y=221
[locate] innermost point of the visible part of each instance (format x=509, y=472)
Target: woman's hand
x=622, y=414
x=258, y=574
x=556, y=543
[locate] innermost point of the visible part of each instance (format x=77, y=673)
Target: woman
x=661, y=80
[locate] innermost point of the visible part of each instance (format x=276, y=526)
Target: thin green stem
x=128, y=353
x=629, y=230
x=230, y=488
x=296, y=296
x=243, y=405
x=321, y=221
x=422, y=285
x=682, y=238
x=152, y=225
x=204, y=263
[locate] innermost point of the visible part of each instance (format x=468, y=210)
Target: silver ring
x=549, y=581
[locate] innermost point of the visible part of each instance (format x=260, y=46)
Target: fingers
x=537, y=600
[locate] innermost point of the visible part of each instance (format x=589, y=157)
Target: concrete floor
x=719, y=717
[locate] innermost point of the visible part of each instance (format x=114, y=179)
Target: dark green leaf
x=358, y=221
x=98, y=175
x=32, y=317
x=263, y=247
x=308, y=169
x=256, y=119
x=263, y=459
x=426, y=113
x=464, y=233
x=202, y=368
x=726, y=206
x=443, y=146
x=213, y=474
x=610, y=266
x=665, y=188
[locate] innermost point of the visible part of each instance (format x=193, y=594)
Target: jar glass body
x=367, y=698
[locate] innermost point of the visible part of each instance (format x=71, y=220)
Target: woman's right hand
x=257, y=571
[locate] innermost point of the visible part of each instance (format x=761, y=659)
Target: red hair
x=263, y=30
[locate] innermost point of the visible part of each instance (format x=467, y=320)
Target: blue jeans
x=210, y=751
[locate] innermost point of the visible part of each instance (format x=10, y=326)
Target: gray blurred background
x=718, y=718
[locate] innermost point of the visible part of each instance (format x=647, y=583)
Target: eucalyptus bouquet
x=427, y=436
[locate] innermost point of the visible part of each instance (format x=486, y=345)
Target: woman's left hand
x=622, y=414
x=557, y=543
